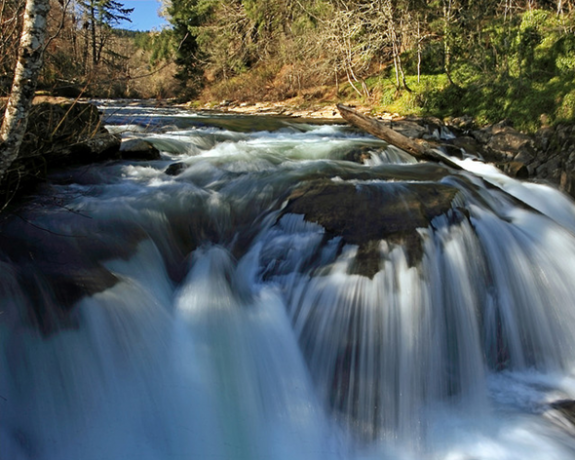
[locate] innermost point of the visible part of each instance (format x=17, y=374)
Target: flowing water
x=145, y=315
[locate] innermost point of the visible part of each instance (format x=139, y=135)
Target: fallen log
x=420, y=150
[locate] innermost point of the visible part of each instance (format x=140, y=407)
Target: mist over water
x=147, y=316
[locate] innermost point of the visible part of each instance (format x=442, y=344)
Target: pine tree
x=186, y=16
x=100, y=16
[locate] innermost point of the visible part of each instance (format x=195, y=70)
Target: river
x=199, y=315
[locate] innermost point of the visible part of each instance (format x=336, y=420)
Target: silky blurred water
x=150, y=316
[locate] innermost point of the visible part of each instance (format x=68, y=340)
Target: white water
x=235, y=333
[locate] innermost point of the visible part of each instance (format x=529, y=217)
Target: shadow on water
x=277, y=299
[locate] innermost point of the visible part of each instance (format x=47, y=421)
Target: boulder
x=566, y=407
x=176, y=169
x=469, y=145
x=463, y=123
x=367, y=214
x=138, y=149
x=408, y=128
x=359, y=155
x=58, y=135
x=555, y=156
x=510, y=142
x=567, y=182
x=516, y=169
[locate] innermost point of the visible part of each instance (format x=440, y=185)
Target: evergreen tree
x=100, y=16
x=186, y=16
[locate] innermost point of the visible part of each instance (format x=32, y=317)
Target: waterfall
x=278, y=300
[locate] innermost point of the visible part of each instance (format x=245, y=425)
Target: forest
x=487, y=59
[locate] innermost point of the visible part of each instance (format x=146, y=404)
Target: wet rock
x=366, y=214
x=434, y=125
x=566, y=407
x=58, y=135
x=176, y=168
x=138, y=149
x=468, y=144
x=359, y=155
x=409, y=128
x=516, y=169
x=56, y=270
x=100, y=147
x=452, y=150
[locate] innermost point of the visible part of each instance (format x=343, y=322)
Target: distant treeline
x=87, y=54
x=486, y=58
x=489, y=59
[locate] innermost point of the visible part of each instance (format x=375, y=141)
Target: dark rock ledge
x=66, y=134
x=547, y=156
x=366, y=215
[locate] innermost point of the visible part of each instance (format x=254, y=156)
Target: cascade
x=274, y=299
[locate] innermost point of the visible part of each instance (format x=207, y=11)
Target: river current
x=147, y=315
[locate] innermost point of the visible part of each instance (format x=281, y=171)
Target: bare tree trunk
x=25, y=78
x=447, y=19
x=93, y=34
x=418, y=51
x=399, y=66
x=396, y=67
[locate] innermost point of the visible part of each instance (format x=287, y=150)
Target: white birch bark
x=26, y=74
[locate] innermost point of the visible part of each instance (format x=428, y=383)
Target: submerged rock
x=563, y=413
x=365, y=214
x=138, y=149
x=176, y=168
x=359, y=155
x=566, y=407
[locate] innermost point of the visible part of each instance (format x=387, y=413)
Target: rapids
x=148, y=316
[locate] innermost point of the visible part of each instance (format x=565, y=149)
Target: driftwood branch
x=420, y=150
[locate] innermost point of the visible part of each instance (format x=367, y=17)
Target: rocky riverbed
x=546, y=156
x=64, y=133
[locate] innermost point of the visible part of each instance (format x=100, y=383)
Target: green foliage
x=520, y=100
x=566, y=110
x=484, y=58
x=186, y=16
x=160, y=45
x=520, y=67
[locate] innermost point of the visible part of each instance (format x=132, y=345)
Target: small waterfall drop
x=276, y=299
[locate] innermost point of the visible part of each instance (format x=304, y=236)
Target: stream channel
x=268, y=298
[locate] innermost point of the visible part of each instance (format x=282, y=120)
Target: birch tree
x=28, y=68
